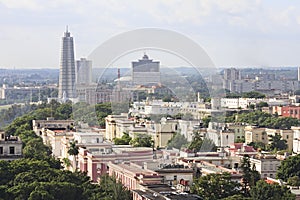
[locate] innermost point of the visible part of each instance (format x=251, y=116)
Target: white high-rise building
x=84, y=71
x=67, y=68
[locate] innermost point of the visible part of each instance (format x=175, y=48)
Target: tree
x=262, y=104
x=124, y=140
x=250, y=175
x=199, y=144
x=36, y=149
x=294, y=181
x=142, y=140
x=277, y=144
x=73, y=151
x=258, y=145
x=265, y=191
x=289, y=168
x=113, y=189
x=215, y=186
x=253, y=94
x=177, y=141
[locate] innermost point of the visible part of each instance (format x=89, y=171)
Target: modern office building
x=145, y=71
x=67, y=76
x=84, y=71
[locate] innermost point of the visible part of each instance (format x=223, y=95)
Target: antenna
x=67, y=29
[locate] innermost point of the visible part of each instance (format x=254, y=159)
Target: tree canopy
x=263, y=119
x=177, y=141
x=215, y=186
x=265, y=191
x=289, y=168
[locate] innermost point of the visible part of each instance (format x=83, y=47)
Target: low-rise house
x=10, y=147
x=266, y=165
x=255, y=134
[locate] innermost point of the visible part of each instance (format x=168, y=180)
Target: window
x=1, y=150
x=11, y=150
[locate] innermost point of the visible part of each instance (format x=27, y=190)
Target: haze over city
x=233, y=33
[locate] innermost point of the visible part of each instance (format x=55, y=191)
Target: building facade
x=145, y=71
x=84, y=71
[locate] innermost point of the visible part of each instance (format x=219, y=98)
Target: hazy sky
x=242, y=33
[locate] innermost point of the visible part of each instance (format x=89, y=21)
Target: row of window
x=11, y=150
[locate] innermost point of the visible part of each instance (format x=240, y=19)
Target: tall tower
x=84, y=71
x=67, y=76
x=298, y=73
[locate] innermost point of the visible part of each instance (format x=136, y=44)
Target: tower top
x=145, y=57
x=67, y=33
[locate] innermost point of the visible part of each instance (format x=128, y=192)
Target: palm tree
x=73, y=151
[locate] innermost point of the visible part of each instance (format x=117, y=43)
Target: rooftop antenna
x=67, y=28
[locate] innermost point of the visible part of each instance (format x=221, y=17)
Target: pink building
x=95, y=163
x=133, y=176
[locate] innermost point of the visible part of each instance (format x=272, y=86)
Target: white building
x=84, y=71
x=266, y=165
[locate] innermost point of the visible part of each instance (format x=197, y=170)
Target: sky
x=234, y=33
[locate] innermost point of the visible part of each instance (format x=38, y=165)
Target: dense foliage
x=215, y=186
x=263, y=119
x=124, y=140
x=177, y=141
x=265, y=191
x=142, y=140
x=289, y=168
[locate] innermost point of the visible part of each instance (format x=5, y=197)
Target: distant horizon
x=222, y=67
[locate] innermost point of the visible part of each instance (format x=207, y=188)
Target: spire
x=67, y=33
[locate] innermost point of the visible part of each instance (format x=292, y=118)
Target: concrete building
x=133, y=176
x=96, y=163
x=232, y=74
x=266, y=165
x=111, y=126
x=51, y=124
x=291, y=111
x=67, y=76
x=145, y=71
x=10, y=147
x=296, y=139
x=220, y=134
x=83, y=71
x=255, y=134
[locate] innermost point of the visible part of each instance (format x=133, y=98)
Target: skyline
x=233, y=33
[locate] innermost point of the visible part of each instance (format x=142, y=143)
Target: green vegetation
x=40, y=176
x=220, y=186
x=124, y=140
x=289, y=168
x=142, y=140
x=215, y=186
x=253, y=94
x=177, y=141
x=277, y=144
x=263, y=119
x=265, y=191
x=250, y=175
x=294, y=181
